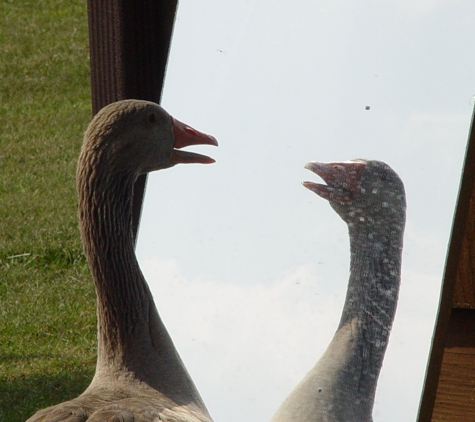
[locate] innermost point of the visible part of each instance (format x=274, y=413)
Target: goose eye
x=152, y=118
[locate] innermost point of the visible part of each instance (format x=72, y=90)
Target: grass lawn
x=47, y=299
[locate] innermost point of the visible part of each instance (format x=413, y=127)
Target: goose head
x=137, y=137
x=361, y=191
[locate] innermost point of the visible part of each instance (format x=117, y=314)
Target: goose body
x=139, y=374
x=369, y=196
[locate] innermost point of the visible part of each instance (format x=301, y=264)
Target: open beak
x=185, y=136
x=341, y=178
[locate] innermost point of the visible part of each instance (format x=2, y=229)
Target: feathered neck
x=105, y=214
x=133, y=343
x=375, y=265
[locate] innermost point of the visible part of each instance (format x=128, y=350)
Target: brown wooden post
x=454, y=338
x=129, y=41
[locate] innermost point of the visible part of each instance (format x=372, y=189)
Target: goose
x=139, y=374
x=369, y=196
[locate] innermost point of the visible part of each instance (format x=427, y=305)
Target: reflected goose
x=139, y=374
x=369, y=196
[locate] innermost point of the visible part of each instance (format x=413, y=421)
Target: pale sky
x=248, y=268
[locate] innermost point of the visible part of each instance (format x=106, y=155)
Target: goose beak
x=341, y=178
x=185, y=136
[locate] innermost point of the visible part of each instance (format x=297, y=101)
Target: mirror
x=248, y=268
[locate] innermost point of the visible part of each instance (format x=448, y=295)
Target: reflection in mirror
x=369, y=196
x=250, y=272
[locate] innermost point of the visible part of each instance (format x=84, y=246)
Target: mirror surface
x=248, y=268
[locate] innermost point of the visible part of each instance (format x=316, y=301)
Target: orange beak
x=185, y=136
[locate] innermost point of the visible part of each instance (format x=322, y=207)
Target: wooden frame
x=449, y=389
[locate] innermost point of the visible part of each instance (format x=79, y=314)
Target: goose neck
x=372, y=298
x=105, y=213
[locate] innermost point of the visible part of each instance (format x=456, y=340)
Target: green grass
x=47, y=300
